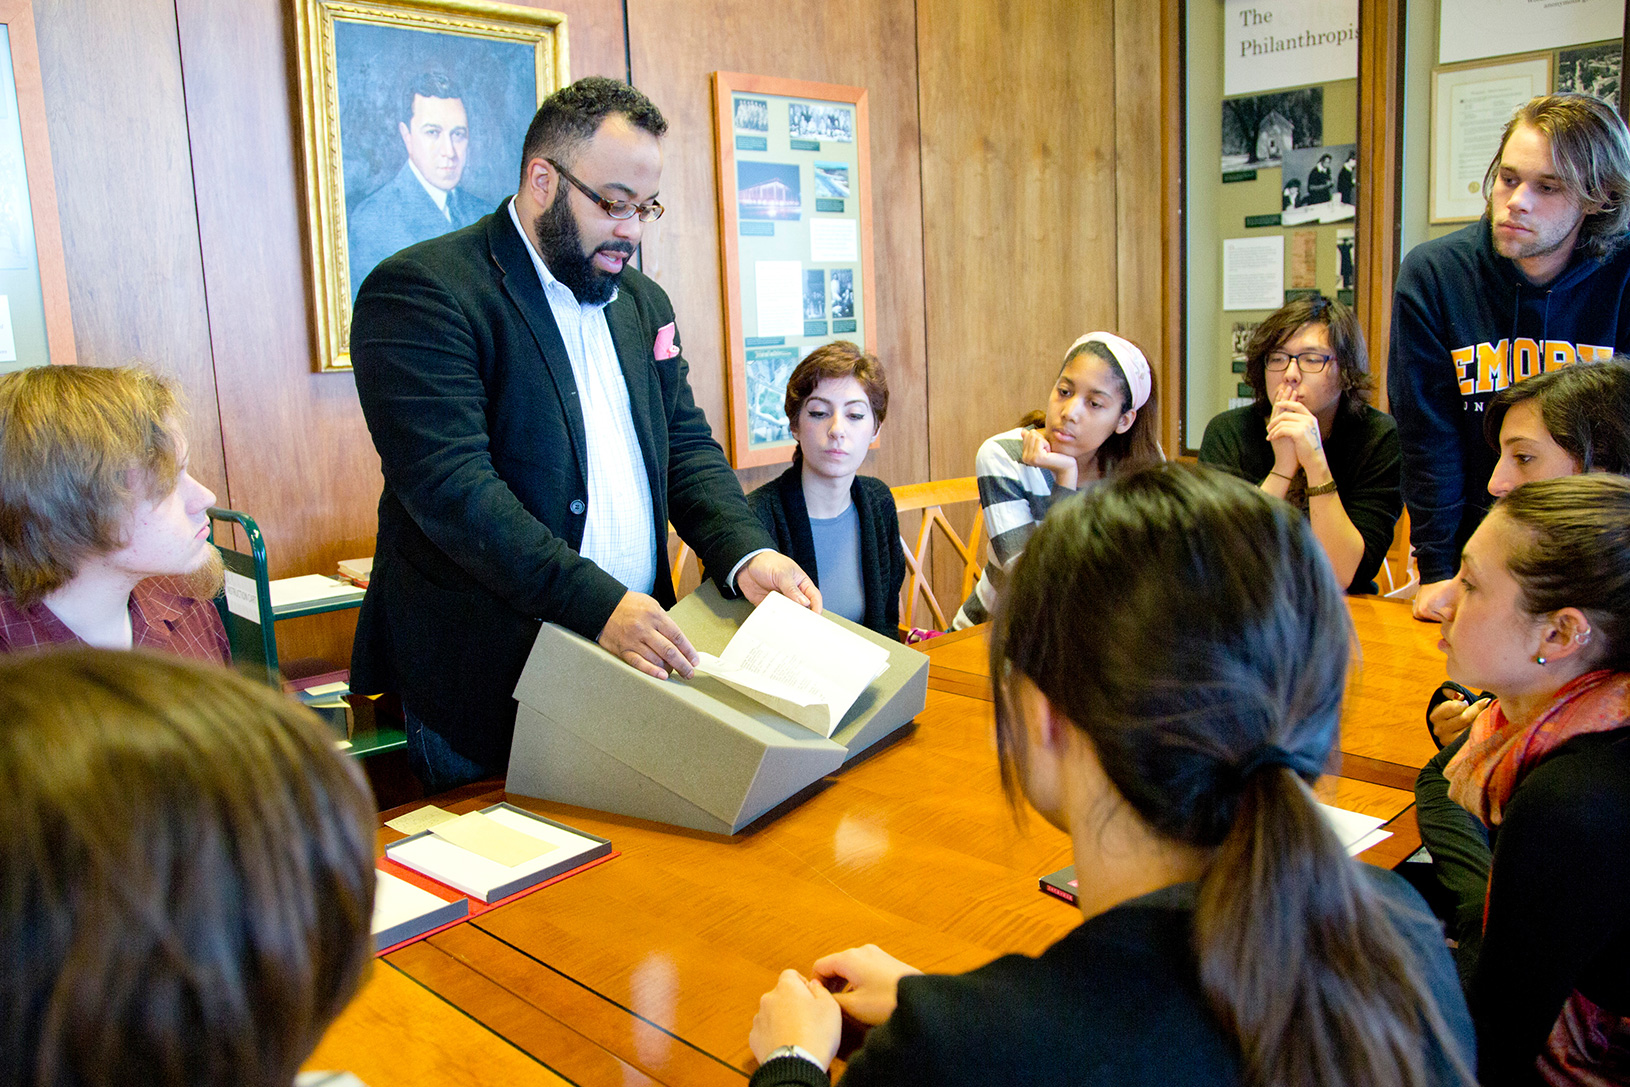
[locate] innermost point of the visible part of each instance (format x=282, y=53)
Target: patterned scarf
x=1484, y=774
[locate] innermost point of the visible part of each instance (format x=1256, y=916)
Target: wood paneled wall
x=1018, y=187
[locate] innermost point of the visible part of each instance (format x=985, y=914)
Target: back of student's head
x=186, y=875
x=79, y=446
x=1585, y=407
x=1190, y=627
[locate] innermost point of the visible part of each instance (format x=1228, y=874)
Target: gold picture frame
x=383, y=86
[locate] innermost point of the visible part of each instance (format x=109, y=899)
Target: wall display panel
x=1278, y=222
x=414, y=114
x=795, y=230
x=1474, y=29
x=35, y=325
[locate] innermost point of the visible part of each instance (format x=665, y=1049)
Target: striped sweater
x=1015, y=497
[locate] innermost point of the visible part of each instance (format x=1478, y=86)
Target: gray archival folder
x=593, y=732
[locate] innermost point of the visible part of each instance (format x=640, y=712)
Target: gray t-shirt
x=837, y=560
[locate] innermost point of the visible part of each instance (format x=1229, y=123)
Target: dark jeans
x=437, y=766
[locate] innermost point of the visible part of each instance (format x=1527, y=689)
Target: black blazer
x=469, y=395
x=780, y=508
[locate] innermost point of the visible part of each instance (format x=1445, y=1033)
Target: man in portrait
x=424, y=199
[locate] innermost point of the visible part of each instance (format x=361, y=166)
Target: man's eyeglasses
x=617, y=209
x=1309, y=362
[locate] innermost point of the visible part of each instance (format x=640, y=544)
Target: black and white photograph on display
x=1328, y=180
x=768, y=190
x=752, y=115
x=767, y=371
x=1241, y=338
x=807, y=121
x=814, y=294
x=1591, y=69
x=1345, y=243
x=832, y=180
x=843, y=293
x=1259, y=129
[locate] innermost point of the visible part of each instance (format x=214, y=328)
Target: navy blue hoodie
x=1465, y=324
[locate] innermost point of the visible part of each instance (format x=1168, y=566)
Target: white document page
x=803, y=666
x=1355, y=831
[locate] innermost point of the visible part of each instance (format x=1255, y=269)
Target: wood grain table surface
x=647, y=969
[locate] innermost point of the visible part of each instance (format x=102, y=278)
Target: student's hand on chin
x=798, y=1011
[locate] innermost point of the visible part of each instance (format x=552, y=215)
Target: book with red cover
x=1060, y=884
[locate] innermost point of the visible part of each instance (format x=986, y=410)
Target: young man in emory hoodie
x=1540, y=282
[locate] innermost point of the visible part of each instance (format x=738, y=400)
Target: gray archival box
x=593, y=732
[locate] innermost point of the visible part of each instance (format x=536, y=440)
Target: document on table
x=801, y=665
x=1356, y=832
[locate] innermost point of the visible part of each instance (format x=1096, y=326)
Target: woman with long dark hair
x=1170, y=656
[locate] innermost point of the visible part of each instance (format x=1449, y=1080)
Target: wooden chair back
x=932, y=498
x=1399, y=577
x=682, y=560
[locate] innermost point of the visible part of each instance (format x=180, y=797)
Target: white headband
x=1134, y=367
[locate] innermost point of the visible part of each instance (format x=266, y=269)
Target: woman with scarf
x=1540, y=616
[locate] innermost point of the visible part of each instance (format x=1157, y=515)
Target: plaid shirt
x=619, y=535
x=160, y=618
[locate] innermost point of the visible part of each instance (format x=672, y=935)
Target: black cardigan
x=780, y=508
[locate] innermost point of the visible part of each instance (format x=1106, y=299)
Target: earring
x=1583, y=637
x=1540, y=661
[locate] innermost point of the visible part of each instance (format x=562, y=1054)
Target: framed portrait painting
x=414, y=114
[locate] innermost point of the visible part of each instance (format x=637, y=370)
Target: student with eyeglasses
x=1312, y=438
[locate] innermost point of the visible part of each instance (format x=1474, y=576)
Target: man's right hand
x=1431, y=599
x=641, y=634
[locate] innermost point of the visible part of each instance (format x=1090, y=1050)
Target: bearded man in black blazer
x=534, y=420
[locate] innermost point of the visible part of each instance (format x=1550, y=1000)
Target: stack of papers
x=802, y=666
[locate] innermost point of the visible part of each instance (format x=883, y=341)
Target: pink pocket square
x=665, y=348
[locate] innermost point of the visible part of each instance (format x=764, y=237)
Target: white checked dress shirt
x=619, y=534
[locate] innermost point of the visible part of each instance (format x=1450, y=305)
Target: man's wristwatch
x=797, y=1051
x=1323, y=488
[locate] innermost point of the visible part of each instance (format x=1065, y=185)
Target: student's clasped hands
x=1293, y=431
x=860, y=983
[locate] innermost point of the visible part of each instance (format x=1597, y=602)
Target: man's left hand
x=769, y=572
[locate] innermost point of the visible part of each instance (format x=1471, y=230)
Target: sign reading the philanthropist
x=795, y=210
x=1288, y=43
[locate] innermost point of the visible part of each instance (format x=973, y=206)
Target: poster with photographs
x=1257, y=130
x=795, y=210
x=1591, y=69
x=1319, y=184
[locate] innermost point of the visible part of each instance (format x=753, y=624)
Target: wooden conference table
x=648, y=968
